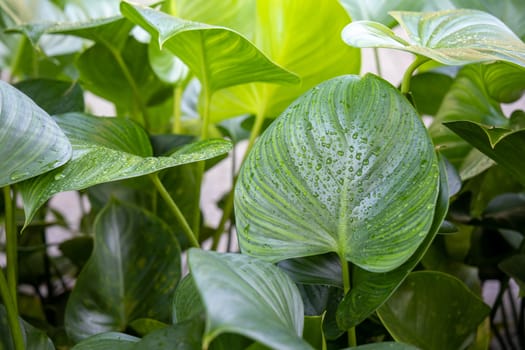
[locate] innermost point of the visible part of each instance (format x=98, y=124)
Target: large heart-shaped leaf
x=218, y=56
x=132, y=273
x=370, y=290
x=301, y=36
x=504, y=146
x=104, y=150
x=347, y=168
x=31, y=142
x=433, y=310
x=247, y=296
x=452, y=37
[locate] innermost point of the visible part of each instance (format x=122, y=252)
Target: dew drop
x=59, y=176
x=18, y=175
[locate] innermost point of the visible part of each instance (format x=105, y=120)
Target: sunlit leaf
x=370, y=290
x=31, y=142
x=502, y=145
x=348, y=168
x=104, y=150
x=302, y=37
x=247, y=296
x=218, y=56
x=449, y=310
x=452, y=37
x=132, y=273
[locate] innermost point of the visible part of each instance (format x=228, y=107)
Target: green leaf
x=313, y=332
x=348, y=168
x=187, y=303
x=370, y=290
x=168, y=67
x=104, y=150
x=31, y=142
x=318, y=269
x=247, y=296
x=378, y=10
x=449, y=310
x=428, y=90
x=144, y=326
x=218, y=56
x=504, y=146
x=384, y=346
x=34, y=339
x=451, y=37
x=132, y=273
x=300, y=45
x=109, y=340
x=182, y=336
x=54, y=96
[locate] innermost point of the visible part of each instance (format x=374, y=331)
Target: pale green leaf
x=247, y=296
x=131, y=274
x=302, y=36
x=218, y=56
x=31, y=143
x=433, y=310
x=104, y=150
x=452, y=37
x=347, y=168
x=377, y=10
x=168, y=67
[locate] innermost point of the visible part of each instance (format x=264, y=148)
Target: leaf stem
x=177, y=122
x=12, y=314
x=175, y=209
x=405, y=84
x=377, y=61
x=11, y=246
x=352, y=341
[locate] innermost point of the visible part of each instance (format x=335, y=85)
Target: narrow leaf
x=31, y=142
x=218, y=56
x=451, y=312
x=104, y=150
x=247, y=296
x=132, y=273
x=348, y=168
x=452, y=37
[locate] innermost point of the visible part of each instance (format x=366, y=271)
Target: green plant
x=358, y=226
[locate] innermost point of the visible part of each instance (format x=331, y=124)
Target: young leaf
x=451, y=37
x=132, y=273
x=504, y=146
x=247, y=296
x=118, y=148
x=218, y=56
x=370, y=290
x=348, y=168
x=109, y=340
x=299, y=36
x=451, y=312
x=31, y=142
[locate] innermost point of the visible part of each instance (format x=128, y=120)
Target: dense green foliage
x=358, y=225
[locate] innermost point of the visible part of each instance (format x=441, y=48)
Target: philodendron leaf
x=452, y=37
x=31, y=142
x=370, y=290
x=34, y=339
x=302, y=24
x=109, y=340
x=132, y=273
x=502, y=145
x=247, y=296
x=433, y=310
x=104, y=150
x=218, y=56
x=348, y=168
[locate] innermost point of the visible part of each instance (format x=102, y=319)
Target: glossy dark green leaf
x=428, y=90
x=319, y=269
x=31, y=142
x=132, y=273
x=370, y=290
x=54, y=96
x=109, y=340
x=218, y=56
x=104, y=150
x=289, y=33
x=385, y=346
x=186, y=335
x=247, y=296
x=34, y=339
x=433, y=310
x=348, y=168
x=451, y=37
x=502, y=145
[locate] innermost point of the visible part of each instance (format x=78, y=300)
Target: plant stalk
x=377, y=61
x=177, y=122
x=11, y=246
x=175, y=209
x=405, y=84
x=352, y=340
x=12, y=314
